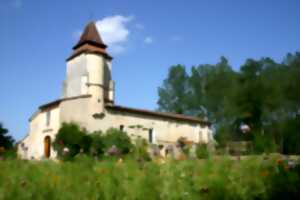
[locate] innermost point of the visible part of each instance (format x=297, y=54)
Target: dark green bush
x=70, y=136
x=118, y=138
x=264, y=144
x=97, y=145
x=202, y=151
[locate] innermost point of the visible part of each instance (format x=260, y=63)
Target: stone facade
x=88, y=99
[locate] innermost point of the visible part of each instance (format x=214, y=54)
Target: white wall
x=76, y=69
x=38, y=130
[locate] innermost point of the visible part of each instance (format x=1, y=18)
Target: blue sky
x=145, y=38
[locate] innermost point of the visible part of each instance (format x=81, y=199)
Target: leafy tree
x=211, y=87
x=263, y=94
x=174, y=90
x=6, y=141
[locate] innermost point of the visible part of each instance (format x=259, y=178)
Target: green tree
x=6, y=141
x=174, y=91
x=263, y=94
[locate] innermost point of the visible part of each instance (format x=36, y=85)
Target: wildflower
x=279, y=161
x=291, y=164
x=264, y=173
x=66, y=151
x=119, y=162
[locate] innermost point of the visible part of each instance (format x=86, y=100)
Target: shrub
x=183, y=145
x=97, y=145
x=72, y=138
x=264, y=144
x=202, y=151
x=118, y=138
x=140, y=149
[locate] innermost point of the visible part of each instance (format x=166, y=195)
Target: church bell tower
x=89, y=70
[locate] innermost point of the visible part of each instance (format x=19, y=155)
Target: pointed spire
x=90, y=42
x=91, y=36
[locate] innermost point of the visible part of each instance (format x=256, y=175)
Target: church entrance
x=47, y=146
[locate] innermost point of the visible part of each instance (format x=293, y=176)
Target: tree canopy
x=6, y=141
x=263, y=94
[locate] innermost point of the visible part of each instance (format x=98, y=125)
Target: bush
x=118, y=138
x=264, y=144
x=70, y=140
x=183, y=144
x=141, y=149
x=97, y=145
x=202, y=151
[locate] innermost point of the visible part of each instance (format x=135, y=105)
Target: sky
x=144, y=37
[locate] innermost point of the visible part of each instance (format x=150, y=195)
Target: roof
x=90, y=42
x=90, y=35
x=157, y=114
x=143, y=112
x=58, y=101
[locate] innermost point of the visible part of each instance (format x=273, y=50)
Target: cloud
x=148, y=40
x=115, y=32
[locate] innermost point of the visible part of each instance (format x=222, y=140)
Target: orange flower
x=264, y=173
x=279, y=161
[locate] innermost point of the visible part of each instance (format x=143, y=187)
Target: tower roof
x=90, y=42
x=90, y=35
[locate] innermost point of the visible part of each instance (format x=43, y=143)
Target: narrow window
x=121, y=127
x=150, y=138
x=48, y=116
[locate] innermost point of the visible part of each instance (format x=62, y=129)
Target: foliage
x=140, y=149
x=97, y=144
x=202, y=151
x=264, y=143
x=118, y=138
x=70, y=136
x=183, y=145
x=254, y=177
x=262, y=94
x=6, y=141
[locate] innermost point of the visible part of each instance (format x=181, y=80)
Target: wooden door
x=47, y=146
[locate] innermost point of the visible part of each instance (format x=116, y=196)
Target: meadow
x=219, y=177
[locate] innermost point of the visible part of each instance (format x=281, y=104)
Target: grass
x=254, y=177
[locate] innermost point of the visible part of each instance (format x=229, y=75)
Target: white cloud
x=114, y=31
x=148, y=40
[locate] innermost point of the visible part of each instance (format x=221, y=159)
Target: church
x=88, y=100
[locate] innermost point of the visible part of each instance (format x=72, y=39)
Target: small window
x=48, y=116
x=121, y=127
x=150, y=138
